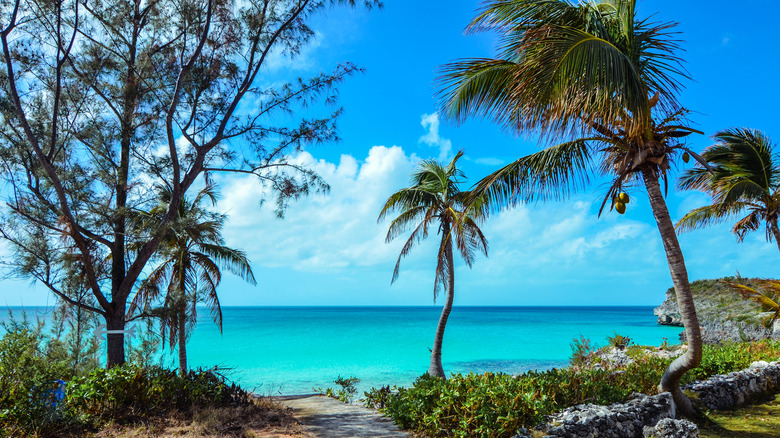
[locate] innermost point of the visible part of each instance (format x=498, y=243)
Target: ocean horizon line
x=396, y=306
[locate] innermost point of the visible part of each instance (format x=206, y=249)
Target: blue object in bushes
x=59, y=392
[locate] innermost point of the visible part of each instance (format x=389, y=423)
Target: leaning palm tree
x=744, y=177
x=600, y=86
x=191, y=257
x=434, y=200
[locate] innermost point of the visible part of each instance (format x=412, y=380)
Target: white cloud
x=335, y=237
x=321, y=232
x=489, y=161
x=303, y=61
x=431, y=123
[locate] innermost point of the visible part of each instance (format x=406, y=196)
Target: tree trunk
x=436, y=368
x=115, y=342
x=182, y=343
x=670, y=382
x=775, y=230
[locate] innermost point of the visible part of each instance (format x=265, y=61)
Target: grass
x=754, y=421
x=263, y=418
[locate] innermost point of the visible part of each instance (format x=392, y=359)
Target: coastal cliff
x=723, y=313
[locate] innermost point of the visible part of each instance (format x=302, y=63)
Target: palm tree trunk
x=670, y=382
x=436, y=368
x=775, y=230
x=182, y=343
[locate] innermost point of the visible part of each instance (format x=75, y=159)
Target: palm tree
x=601, y=86
x=191, y=256
x=743, y=177
x=434, y=200
x=768, y=300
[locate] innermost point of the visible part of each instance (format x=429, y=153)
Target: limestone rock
x=668, y=312
x=671, y=428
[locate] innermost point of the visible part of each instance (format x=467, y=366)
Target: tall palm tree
x=434, y=200
x=191, y=257
x=744, y=177
x=601, y=86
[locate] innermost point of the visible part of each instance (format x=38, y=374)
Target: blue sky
x=329, y=250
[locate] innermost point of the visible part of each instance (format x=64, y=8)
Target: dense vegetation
x=497, y=405
x=32, y=363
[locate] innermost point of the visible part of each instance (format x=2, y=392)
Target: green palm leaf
x=192, y=256
x=743, y=177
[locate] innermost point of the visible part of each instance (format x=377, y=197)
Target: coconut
x=620, y=207
x=686, y=157
x=623, y=198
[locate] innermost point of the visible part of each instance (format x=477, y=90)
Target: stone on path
x=326, y=417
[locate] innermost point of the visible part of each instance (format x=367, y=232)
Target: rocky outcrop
x=718, y=332
x=723, y=314
x=668, y=312
x=614, y=357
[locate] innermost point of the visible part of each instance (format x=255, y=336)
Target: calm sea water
x=290, y=350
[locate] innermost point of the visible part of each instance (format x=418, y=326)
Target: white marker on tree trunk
x=101, y=330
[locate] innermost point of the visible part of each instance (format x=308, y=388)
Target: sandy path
x=325, y=417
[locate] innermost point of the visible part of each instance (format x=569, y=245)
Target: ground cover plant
x=756, y=421
x=496, y=405
x=43, y=394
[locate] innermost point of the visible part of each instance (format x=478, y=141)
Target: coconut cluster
x=620, y=202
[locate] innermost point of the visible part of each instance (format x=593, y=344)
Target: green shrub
x=733, y=356
x=377, y=398
x=618, y=341
x=581, y=351
x=129, y=392
x=347, y=391
x=496, y=405
x=29, y=368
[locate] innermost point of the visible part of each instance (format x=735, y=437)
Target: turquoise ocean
x=291, y=350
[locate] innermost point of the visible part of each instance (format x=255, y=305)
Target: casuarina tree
x=102, y=101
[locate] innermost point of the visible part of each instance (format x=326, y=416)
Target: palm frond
x=401, y=223
x=751, y=222
x=552, y=173
x=234, y=260
x=420, y=232
x=749, y=293
x=469, y=239
x=706, y=216
x=406, y=199
x=479, y=88
x=150, y=288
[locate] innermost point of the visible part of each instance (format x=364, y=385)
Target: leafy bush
x=29, y=368
x=347, y=391
x=496, y=405
x=31, y=363
x=129, y=392
x=619, y=341
x=581, y=351
x=377, y=398
x=734, y=356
